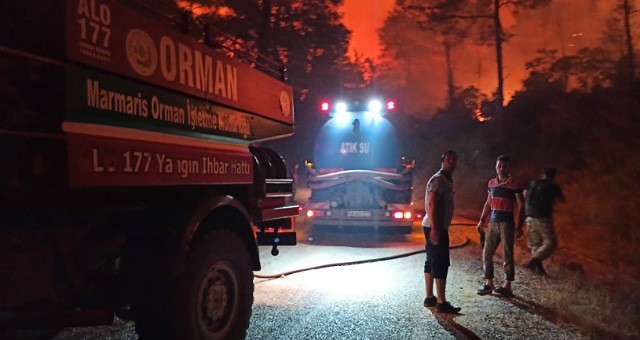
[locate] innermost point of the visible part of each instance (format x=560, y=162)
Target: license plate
x=358, y=213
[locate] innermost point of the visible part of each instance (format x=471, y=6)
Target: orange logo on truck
x=141, y=52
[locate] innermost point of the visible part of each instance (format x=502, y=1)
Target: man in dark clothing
x=439, y=212
x=540, y=197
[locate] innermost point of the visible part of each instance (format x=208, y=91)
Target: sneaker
x=485, y=290
x=532, y=265
x=535, y=266
x=447, y=308
x=431, y=302
x=504, y=292
x=540, y=269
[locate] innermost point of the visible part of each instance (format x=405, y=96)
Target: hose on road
x=351, y=263
x=338, y=264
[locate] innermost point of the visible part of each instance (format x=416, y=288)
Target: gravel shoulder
x=578, y=294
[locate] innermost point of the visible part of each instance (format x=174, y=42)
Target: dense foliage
x=589, y=133
x=578, y=112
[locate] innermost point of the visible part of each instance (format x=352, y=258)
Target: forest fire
x=564, y=25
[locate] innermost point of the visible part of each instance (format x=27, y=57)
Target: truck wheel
x=215, y=294
x=211, y=299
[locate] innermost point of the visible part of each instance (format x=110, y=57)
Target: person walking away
x=504, y=195
x=540, y=197
x=436, y=222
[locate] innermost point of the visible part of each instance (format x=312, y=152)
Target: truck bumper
x=356, y=218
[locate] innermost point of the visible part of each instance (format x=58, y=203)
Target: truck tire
x=213, y=296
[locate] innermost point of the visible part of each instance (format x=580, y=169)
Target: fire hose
x=351, y=263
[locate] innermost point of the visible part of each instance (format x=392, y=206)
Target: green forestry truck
x=132, y=182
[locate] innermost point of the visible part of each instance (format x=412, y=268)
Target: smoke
x=364, y=18
x=565, y=25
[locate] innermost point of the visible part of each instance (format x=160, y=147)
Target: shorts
x=438, y=259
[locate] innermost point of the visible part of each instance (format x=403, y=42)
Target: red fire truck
x=130, y=177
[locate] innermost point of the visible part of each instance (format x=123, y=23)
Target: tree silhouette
x=618, y=35
x=450, y=33
x=451, y=18
x=306, y=36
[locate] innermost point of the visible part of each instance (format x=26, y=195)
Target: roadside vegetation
x=578, y=293
x=577, y=111
x=590, y=135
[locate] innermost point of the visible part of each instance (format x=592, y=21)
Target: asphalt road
x=372, y=300
x=382, y=300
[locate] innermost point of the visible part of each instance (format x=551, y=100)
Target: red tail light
x=399, y=215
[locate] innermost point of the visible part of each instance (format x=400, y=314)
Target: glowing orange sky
x=566, y=25
x=364, y=18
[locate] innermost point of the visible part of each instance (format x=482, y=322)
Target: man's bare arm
x=486, y=209
x=435, y=229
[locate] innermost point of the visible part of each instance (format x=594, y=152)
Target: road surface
x=373, y=300
x=383, y=300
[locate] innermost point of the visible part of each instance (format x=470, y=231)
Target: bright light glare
x=309, y=213
x=407, y=214
x=391, y=105
x=341, y=107
x=374, y=114
x=397, y=214
x=324, y=106
x=348, y=283
x=375, y=106
x=342, y=117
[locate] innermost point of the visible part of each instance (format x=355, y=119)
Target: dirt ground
x=577, y=292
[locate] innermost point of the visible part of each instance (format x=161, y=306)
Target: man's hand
x=434, y=236
x=479, y=227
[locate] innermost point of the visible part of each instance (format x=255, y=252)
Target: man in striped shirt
x=504, y=194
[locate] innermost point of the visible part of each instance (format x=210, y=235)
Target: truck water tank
x=357, y=141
